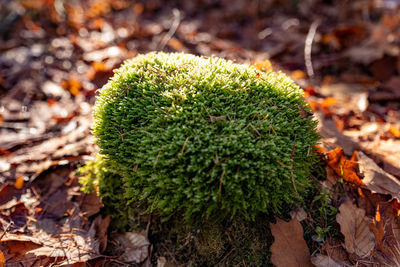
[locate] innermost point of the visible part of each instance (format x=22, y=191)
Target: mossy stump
x=200, y=140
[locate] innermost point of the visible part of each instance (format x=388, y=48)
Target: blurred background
x=55, y=54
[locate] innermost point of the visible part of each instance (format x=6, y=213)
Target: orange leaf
x=328, y=102
x=51, y=101
x=264, y=65
x=4, y=152
x=320, y=149
x=343, y=167
x=396, y=207
x=376, y=227
x=19, y=183
x=313, y=104
x=63, y=119
x=299, y=74
x=394, y=131
x=73, y=85
x=175, y=44
x=2, y=259
x=138, y=8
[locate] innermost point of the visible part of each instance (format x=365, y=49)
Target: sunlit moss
x=203, y=137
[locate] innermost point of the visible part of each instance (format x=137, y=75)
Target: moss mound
x=200, y=138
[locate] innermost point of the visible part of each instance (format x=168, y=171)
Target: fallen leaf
x=323, y=261
x=299, y=214
x=376, y=227
x=19, y=183
x=264, y=65
x=101, y=227
x=394, y=131
x=289, y=247
x=375, y=179
x=334, y=248
x=175, y=44
x=343, y=167
x=91, y=204
x=2, y=260
x=135, y=246
x=332, y=137
x=351, y=97
x=354, y=225
x=299, y=74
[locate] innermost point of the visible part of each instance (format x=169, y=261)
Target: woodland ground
x=55, y=54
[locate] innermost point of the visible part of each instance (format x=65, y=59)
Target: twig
x=308, y=47
x=220, y=184
x=174, y=26
x=5, y=230
x=291, y=166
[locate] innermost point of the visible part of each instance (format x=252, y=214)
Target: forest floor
x=55, y=54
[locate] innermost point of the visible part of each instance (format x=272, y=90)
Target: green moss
x=205, y=140
x=204, y=136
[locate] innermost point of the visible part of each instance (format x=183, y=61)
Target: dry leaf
x=135, y=246
x=289, y=247
x=332, y=136
x=2, y=260
x=298, y=74
x=343, y=167
x=19, y=183
x=352, y=97
x=299, y=214
x=354, y=225
x=91, y=204
x=376, y=179
x=323, y=261
x=376, y=227
x=394, y=131
x=264, y=65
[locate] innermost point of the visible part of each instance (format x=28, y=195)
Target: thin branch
x=174, y=26
x=291, y=166
x=308, y=48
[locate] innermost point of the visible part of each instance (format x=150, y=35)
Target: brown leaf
x=135, y=246
x=323, y=260
x=289, y=247
x=101, y=227
x=91, y=204
x=354, y=225
x=376, y=179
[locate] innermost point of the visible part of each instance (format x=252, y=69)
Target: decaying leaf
x=354, y=225
x=289, y=247
x=136, y=246
x=324, y=260
x=376, y=179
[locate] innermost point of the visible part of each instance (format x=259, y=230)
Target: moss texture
x=206, y=140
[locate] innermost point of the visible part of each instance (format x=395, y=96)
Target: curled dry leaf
x=354, y=225
x=343, y=167
x=289, y=247
x=136, y=246
x=376, y=179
